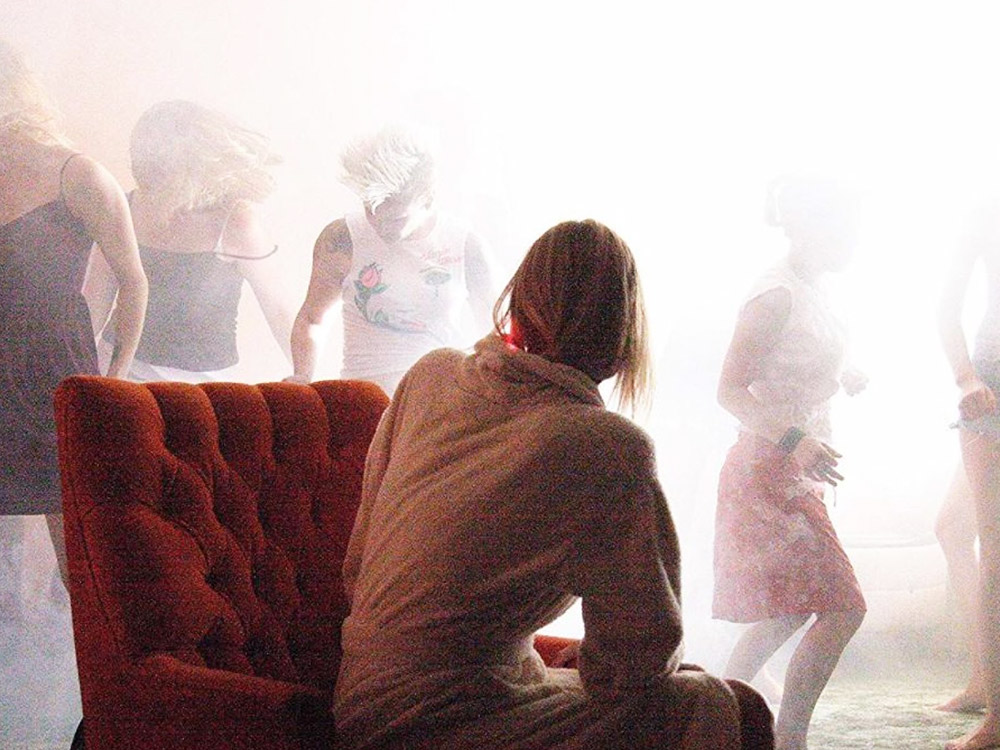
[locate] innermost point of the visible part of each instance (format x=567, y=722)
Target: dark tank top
x=191, y=313
x=47, y=334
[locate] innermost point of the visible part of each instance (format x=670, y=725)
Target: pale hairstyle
x=398, y=160
x=809, y=202
x=25, y=108
x=187, y=157
x=576, y=299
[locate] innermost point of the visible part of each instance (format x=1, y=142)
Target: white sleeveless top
x=796, y=380
x=402, y=300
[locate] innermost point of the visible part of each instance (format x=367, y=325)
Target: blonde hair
x=576, y=299
x=396, y=160
x=25, y=108
x=188, y=157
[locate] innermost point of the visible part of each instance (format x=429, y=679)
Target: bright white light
x=665, y=120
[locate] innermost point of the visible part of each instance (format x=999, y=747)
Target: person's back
x=496, y=490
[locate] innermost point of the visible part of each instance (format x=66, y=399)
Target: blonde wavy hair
x=188, y=157
x=396, y=160
x=576, y=299
x=25, y=108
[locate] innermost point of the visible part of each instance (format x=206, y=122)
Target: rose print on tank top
x=368, y=285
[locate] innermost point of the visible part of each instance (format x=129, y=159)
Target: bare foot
x=985, y=737
x=969, y=701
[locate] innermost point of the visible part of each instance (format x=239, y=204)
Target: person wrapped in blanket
x=497, y=490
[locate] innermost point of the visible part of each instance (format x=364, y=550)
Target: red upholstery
x=206, y=526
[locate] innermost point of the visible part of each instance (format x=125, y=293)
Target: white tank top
x=402, y=300
x=797, y=379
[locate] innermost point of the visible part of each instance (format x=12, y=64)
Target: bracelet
x=790, y=439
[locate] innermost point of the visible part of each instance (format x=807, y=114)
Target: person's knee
x=955, y=535
x=844, y=623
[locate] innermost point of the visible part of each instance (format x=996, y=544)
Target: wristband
x=790, y=439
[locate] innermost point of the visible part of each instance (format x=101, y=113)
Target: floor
x=881, y=696
x=39, y=691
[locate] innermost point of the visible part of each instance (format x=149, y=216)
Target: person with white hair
x=56, y=205
x=200, y=178
x=412, y=278
x=778, y=561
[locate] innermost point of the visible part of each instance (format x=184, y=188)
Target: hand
x=300, y=379
x=977, y=399
x=817, y=460
x=853, y=381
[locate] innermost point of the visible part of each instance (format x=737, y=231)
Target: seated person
x=498, y=489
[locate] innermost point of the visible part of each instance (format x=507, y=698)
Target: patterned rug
x=882, y=697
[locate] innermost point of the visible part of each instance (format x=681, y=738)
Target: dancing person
x=55, y=205
x=778, y=561
x=199, y=179
x=497, y=490
x=956, y=533
x=977, y=376
x=412, y=278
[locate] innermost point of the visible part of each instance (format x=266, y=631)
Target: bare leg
x=956, y=532
x=768, y=686
x=758, y=644
x=808, y=672
x=55, y=523
x=982, y=464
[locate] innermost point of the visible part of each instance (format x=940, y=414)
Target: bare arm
x=332, y=255
x=94, y=197
x=245, y=236
x=756, y=335
x=99, y=288
x=479, y=282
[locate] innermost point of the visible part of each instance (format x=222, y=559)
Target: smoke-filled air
x=230, y=182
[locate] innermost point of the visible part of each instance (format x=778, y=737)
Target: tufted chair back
x=205, y=528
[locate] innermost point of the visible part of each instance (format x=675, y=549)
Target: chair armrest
x=549, y=646
x=163, y=702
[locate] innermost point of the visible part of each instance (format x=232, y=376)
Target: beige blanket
x=498, y=488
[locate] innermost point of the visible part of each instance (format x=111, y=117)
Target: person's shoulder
x=78, y=171
x=598, y=435
x=772, y=291
x=437, y=361
x=335, y=237
x=86, y=185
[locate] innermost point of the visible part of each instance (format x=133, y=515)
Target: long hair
x=576, y=299
x=25, y=108
x=188, y=157
x=396, y=160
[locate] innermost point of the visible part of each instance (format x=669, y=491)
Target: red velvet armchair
x=205, y=528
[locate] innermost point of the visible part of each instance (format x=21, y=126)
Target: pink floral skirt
x=776, y=552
